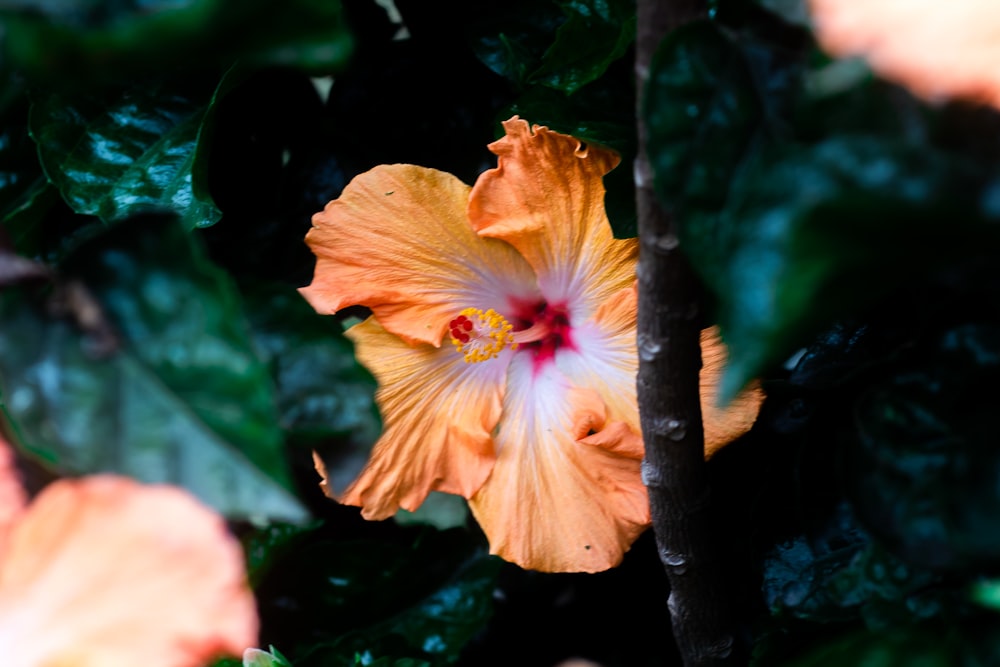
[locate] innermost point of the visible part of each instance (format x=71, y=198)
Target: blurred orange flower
x=936, y=49
x=529, y=408
x=105, y=572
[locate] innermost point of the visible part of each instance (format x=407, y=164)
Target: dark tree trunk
x=669, y=361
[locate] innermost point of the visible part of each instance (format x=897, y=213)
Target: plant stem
x=669, y=323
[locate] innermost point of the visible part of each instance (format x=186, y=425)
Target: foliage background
x=159, y=164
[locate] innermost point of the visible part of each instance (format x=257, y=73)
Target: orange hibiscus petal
x=554, y=502
x=546, y=198
x=605, y=360
x=937, y=49
x=438, y=411
x=398, y=241
x=105, y=572
x=12, y=496
x=723, y=424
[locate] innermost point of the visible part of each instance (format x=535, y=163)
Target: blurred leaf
x=924, y=645
x=258, y=658
x=341, y=599
x=390, y=662
x=154, y=378
x=987, y=593
x=264, y=546
x=793, y=11
x=19, y=168
x=812, y=234
x=441, y=510
x=713, y=101
x=78, y=43
x=23, y=221
x=925, y=464
x=117, y=153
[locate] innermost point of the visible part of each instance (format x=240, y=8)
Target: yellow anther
x=480, y=335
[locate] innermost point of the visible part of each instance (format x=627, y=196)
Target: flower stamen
x=480, y=335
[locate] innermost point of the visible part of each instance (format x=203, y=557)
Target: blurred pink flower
x=106, y=572
x=936, y=49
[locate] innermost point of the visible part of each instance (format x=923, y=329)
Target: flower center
x=481, y=335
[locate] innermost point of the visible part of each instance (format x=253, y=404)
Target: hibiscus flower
x=937, y=49
x=105, y=572
x=502, y=337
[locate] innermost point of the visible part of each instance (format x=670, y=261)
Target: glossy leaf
x=595, y=34
x=149, y=372
x=534, y=45
x=115, y=154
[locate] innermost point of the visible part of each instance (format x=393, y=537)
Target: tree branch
x=669, y=324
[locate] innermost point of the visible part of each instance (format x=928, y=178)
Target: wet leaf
x=179, y=397
x=117, y=153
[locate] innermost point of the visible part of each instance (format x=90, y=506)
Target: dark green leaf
x=325, y=398
x=713, y=101
x=793, y=11
x=23, y=221
x=812, y=234
x=925, y=465
x=842, y=575
x=596, y=33
x=345, y=599
x=115, y=154
x=601, y=113
x=923, y=645
x=264, y=546
x=512, y=39
x=322, y=391
x=560, y=44
x=77, y=43
x=150, y=374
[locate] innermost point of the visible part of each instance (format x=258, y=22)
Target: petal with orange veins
x=398, y=241
x=936, y=49
x=438, y=413
x=605, y=360
x=106, y=572
x=546, y=198
x=553, y=502
x=723, y=424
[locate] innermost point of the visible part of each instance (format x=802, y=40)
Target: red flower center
x=538, y=327
x=541, y=328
